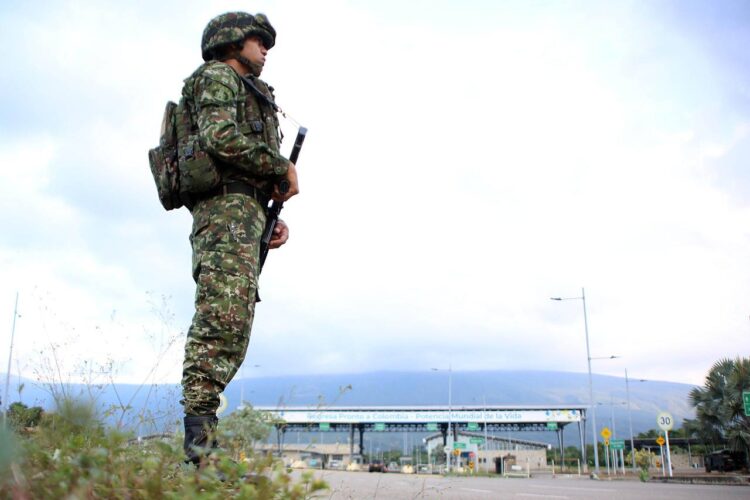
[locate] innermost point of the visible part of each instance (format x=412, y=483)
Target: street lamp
x=6, y=401
x=630, y=418
x=614, y=432
x=450, y=411
x=592, y=405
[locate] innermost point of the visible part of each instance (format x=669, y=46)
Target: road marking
x=605, y=490
x=478, y=491
x=534, y=495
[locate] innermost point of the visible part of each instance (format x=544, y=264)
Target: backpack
x=179, y=164
x=163, y=161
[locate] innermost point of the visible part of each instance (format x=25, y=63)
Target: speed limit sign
x=665, y=421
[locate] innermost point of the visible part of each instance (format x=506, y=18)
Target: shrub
x=72, y=455
x=20, y=415
x=643, y=475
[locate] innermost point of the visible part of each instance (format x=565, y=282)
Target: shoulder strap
x=252, y=87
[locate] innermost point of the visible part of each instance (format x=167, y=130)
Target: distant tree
x=649, y=434
x=392, y=456
x=711, y=440
x=245, y=427
x=643, y=459
x=718, y=405
x=571, y=453
x=601, y=450
x=677, y=432
x=21, y=416
x=439, y=455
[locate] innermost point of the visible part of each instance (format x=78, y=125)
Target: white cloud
x=456, y=175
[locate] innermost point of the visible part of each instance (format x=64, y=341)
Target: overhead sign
x=617, y=444
x=746, y=403
x=380, y=426
x=432, y=427
x=422, y=416
x=472, y=426
x=552, y=426
x=476, y=440
x=606, y=433
x=665, y=421
x=660, y=441
x=325, y=426
x=459, y=446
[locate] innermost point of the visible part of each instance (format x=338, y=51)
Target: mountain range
x=155, y=408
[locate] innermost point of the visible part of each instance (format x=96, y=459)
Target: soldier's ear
x=229, y=51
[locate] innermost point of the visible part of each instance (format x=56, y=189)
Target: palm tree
x=719, y=410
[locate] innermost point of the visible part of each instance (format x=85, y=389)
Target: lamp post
x=450, y=411
x=10, y=359
x=630, y=419
x=592, y=405
x=614, y=435
x=485, y=445
x=606, y=447
x=486, y=442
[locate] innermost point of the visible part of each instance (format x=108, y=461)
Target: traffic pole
x=669, y=457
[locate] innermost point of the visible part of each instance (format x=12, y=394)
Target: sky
x=465, y=162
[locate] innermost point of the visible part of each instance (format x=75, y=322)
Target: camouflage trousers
x=226, y=243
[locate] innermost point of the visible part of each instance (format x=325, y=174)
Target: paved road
x=363, y=485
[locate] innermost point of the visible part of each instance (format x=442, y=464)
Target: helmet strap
x=255, y=69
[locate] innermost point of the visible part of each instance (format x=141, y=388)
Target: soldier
x=238, y=126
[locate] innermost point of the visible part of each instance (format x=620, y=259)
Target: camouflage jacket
x=239, y=130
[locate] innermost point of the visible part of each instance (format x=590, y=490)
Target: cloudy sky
x=466, y=161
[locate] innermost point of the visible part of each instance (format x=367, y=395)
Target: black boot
x=199, y=430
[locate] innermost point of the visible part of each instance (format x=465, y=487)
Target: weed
x=73, y=455
x=643, y=475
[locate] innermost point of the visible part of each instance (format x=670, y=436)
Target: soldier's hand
x=291, y=178
x=280, y=234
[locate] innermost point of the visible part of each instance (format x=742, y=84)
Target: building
x=450, y=424
x=481, y=454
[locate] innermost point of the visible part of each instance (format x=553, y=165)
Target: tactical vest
x=256, y=120
x=182, y=168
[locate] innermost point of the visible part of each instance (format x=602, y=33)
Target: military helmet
x=234, y=27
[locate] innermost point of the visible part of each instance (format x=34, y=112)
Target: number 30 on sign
x=665, y=421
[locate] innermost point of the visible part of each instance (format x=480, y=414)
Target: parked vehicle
x=376, y=466
x=724, y=460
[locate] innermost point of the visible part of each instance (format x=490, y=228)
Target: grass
x=71, y=454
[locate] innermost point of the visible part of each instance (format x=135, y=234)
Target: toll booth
x=503, y=464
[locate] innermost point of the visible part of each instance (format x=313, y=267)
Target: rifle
x=275, y=209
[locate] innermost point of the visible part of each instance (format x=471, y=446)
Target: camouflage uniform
x=240, y=131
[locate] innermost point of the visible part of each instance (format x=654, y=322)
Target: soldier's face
x=254, y=50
